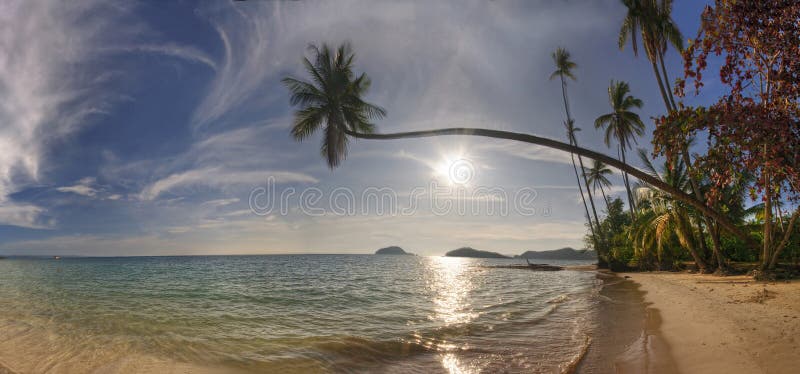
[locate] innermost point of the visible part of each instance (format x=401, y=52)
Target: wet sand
x=626, y=336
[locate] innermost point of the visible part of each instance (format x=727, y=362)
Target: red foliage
x=754, y=127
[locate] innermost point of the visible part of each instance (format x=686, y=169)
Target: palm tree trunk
x=571, y=137
x=554, y=144
x=765, y=255
x=714, y=232
x=585, y=207
x=586, y=184
x=661, y=86
x=628, y=186
x=669, y=101
x=786, y=235
x=666, y=80
x=603, y=192
x=686, y=231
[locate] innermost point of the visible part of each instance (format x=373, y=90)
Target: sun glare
x=455, y=169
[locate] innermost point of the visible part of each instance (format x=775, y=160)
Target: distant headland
x=566, y=253
x=393, y=250
x=471, y=252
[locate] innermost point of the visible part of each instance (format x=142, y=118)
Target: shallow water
x=301, y=313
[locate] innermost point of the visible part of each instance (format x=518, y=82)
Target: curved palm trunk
x=550, y=143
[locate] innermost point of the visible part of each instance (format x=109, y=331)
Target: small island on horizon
x=566, y=253
x=393, y=250
x=473, y=253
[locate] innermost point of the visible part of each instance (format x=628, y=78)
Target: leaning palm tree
x=333, y=100
x=622, y=125
x=564, y=68
x=597, y=176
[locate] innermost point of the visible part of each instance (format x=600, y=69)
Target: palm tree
x=623, y=125
x=653, y=20
x=331, y=100
x=664, y=216
x=564, y=67
x=597, y=176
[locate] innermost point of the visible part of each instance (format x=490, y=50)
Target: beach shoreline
x=692, y=323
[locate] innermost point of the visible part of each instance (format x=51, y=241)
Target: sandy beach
x=708, y=324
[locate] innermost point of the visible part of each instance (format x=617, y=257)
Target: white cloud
x=169, y=49
x=22, y=215
x=219, y=178
x=221, y=202
x=84, y=187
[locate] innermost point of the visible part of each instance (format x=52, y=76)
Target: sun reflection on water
x=451, y=283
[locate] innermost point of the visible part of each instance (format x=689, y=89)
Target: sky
x=162, y=128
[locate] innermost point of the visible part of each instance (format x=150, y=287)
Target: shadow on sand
x=625, y=336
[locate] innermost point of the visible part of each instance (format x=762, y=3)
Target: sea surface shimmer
x=293, y=313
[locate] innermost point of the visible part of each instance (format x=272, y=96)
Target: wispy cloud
x=245, y=63
x=84, y=187
x=187, y=53
x=50, y=86
x=219, y=178
x=23, y=215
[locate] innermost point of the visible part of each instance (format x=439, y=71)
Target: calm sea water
x=294, y=313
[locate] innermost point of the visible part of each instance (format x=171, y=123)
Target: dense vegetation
x=731, y=198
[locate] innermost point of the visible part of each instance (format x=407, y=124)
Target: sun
x=456, y=170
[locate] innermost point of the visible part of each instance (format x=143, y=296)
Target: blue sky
x=141, y=128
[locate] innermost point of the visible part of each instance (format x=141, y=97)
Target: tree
x=564, y=67
x=653, y=20
x=753, y=128
x=363, y=130
x=623, y=125
x=332, y=99
x=664, y=216
x=598, y=179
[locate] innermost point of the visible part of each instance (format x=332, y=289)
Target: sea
x=293, y=313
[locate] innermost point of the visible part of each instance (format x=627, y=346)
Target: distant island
x=560, y=254
x=471, y=252
x=393, y=250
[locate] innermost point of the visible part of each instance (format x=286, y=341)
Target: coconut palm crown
x=622, y=123
x=564, y=65
x=598, y=177
x=332, y=100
